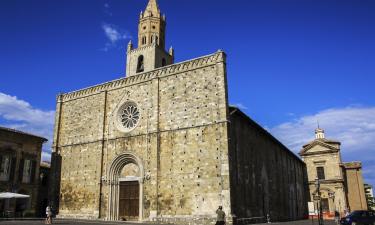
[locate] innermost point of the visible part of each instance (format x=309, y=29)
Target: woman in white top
x=49, y=215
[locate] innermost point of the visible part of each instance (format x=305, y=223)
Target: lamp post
x=331, y=195
x=318, y=197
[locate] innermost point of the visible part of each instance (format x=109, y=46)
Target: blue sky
x=290, y=62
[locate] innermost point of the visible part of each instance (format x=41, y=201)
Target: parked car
x=359, y=217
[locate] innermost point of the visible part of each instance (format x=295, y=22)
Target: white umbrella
x=7, y=195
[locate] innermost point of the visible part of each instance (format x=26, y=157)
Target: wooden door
x=325, y=204
x=129, y=200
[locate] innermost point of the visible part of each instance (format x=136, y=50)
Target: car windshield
x=356, y=213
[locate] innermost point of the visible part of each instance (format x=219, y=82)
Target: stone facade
x=266, y=177
x=179, y=141
x=163, y=130
x=20, y=155
x=337, y=184
x=369, y=196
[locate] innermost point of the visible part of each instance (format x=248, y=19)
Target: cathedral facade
x=164, y=145
x=341, y=183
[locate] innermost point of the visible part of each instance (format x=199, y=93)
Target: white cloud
x=19, y=114
x=353, y=126
x=46, y=156
x=114, y=35
x=107, y=10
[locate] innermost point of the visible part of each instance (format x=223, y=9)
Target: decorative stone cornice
x=323, y=152
x=352, y=165
x=319, y=142
x=140, y=49
x=147, y=76
x=328, y=181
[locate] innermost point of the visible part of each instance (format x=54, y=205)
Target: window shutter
x=20, y=172
x=33, y=168
x=12, y=169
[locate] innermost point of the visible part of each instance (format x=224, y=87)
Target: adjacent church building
x=163, y=144
x=341, y=184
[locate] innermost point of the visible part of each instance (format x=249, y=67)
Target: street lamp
x=318, y=198
x=331, y=195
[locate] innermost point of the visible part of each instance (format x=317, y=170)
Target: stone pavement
x=302, y=222
x=97, y=222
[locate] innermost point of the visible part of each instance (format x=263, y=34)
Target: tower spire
x=151, y=26
x=150, y=52
x=152, y=8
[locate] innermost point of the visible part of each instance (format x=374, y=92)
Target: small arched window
x=140, y=64
x=144, y=40
x=154, y=39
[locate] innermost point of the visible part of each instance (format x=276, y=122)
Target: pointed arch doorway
x=126, y=188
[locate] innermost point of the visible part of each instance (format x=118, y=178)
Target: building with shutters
x=341, y=183
x=163, y=144
x=20, y=155
x=370, y=196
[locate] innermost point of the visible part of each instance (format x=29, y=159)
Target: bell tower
x=319, y=133
x=150, y=53
x=151, y=26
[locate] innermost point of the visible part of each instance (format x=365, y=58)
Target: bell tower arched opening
x=140, y=64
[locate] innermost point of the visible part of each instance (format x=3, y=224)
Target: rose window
x=128, y=116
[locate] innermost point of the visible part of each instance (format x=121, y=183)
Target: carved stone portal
x=116, y=175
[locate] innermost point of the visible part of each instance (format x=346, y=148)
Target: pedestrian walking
x=220, y=220
x=337, y=217
x=48, y=215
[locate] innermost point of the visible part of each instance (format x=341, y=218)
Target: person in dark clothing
x=337, y=217
x=220, y=220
